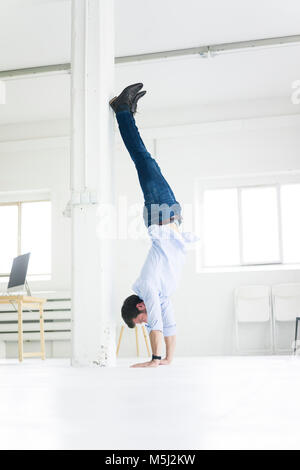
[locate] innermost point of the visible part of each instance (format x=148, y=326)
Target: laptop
x=17, y=280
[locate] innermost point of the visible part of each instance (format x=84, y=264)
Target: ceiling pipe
x=31, y=72
x=202, y=51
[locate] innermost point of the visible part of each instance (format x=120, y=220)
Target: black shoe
x=135, y=100
x=125, y=99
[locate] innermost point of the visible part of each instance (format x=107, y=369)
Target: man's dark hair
x=129, y=309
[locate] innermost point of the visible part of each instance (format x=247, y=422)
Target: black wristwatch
x=154, y=358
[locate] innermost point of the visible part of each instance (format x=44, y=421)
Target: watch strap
x=156, y=357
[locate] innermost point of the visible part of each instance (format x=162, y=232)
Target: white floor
x=197, y=403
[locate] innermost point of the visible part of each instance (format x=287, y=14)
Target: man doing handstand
x=162, y=216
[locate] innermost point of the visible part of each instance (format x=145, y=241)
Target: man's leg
x=157, y=191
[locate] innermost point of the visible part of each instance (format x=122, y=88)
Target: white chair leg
x=237, y=339
x=271, y=336
x=2, y=350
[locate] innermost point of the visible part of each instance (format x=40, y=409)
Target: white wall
x=42, y=164
x=29, y=162
x=204, y=301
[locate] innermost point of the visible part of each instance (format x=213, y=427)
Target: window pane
x=260, y=225
x=221, y=233
x=8, y=237
x=36, y=235
x=290, y=202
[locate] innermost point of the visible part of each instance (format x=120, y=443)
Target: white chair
x=253, y=305
x=286, y=308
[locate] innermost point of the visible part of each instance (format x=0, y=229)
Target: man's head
x=134, y=311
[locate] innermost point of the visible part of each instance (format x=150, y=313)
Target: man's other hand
x=165, y=362
x=147, y=364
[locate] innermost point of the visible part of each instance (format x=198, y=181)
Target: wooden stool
x=136, y=339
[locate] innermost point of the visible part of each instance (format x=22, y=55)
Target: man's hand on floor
x=147, y=364
x=165, y=362
x=162, y=362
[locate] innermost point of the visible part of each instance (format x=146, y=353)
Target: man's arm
x=169, y=330
x=156, y=342
x=154, y=323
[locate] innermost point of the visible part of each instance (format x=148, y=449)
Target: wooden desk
x=22, y=300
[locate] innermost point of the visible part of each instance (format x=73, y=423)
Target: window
x=221, y=218
x=259, y=225
x=251, y=225
x=290, y=202
x=26, y=227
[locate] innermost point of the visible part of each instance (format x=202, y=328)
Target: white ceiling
x=37, y=32
x=144, y=26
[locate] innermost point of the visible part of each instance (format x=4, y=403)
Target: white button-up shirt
x=160, y=275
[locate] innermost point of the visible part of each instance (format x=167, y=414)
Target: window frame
x=19, y=204
x=240, y=182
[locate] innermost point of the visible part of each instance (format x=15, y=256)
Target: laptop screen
x=19, y=271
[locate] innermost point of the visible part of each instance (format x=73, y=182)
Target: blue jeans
x=160, y=204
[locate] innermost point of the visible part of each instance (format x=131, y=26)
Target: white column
x=92, y=85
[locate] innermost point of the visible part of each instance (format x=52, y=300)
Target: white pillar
x=92, y=85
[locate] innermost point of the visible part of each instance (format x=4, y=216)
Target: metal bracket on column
x=81, y=198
